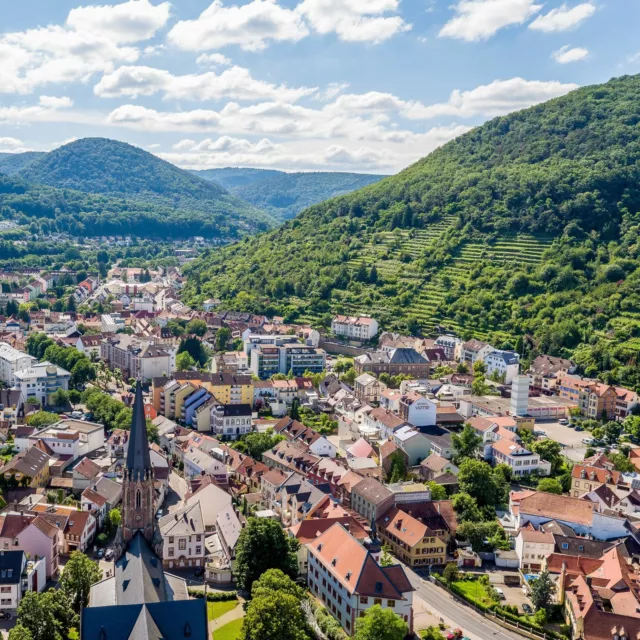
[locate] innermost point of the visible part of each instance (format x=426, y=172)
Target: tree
x=551, y=451
x=275, y=580
x=380, y=624
x=47, y=615
x=610, y=432
x=542, y=589
x=42, y=419
x=294, y=413
x=450, y=573
x=550, y=485
x=74, y=397
x=476, y=478
x=20, y=633
x=621, y=462
x=262, y=545
x=398, y=468
x=274, y=615
x=255, y=444
x=115, y=517
x=82, y=372
x=466, y=445
x=197, y=327
x=222, y=338
x=60, y=398
x=79, y=574
x=438, y=492
x=184, y=361
x=466, y=508
x=386, y=560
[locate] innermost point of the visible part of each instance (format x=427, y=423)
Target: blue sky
x=341, y=85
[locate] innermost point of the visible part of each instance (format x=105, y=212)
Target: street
x=457, y=615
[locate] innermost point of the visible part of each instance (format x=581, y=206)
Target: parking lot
x=574, y=449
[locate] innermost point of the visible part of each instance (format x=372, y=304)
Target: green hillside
x=11, y=163
x=117, y=171
x=284, y=195
x=523, y=231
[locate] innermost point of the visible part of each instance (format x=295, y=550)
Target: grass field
x=474, y=591
x=217, y=609
x=230, y=631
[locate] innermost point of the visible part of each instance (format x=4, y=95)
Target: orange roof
x=509, y=448
x=406, y=528
x=596, y=473
x=308, y=530
x=481, y=424
x=575, y=565
x=554, y=507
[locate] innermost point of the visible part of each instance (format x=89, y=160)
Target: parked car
x=527, y=608
x=563, y=421
x=100, y=554
x=500, y=593
x=109, y=554
x=5, y=615
x=539, y=432
x=579, y=428
x=587, y=440
x=199, y=572
x=159, y=514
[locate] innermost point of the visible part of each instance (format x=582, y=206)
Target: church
x=140, y=601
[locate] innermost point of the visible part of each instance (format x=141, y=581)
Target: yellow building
x=411, y=540
x=30, y=468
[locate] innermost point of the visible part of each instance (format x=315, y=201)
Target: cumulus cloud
x=563, y=18
x=52, y=102
x=480, y=19
x=93, y=39
x=354, y=20
x=251, y=26
x=127, y=22
x=567, y=54
x=235, y=83
x=213, y=60
x=48, y=109
x=10, y=143
x=497, y=98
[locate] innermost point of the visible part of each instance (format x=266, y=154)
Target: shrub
x=214, y=596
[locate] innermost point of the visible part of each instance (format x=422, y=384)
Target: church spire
x=138, y=459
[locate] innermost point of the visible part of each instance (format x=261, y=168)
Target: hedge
x=214, y=596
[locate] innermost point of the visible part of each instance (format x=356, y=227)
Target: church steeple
x=138, y=459
x=137, y=486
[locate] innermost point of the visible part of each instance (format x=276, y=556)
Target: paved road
x=458, y=615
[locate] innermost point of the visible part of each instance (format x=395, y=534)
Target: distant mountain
x=11, y=163
x=284, y=195
x=112, y=168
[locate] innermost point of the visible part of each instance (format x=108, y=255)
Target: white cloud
x=11, y=143
x=567, y=54
x=213, y=60
x=127, y=22
x=354, y=20
x=480, y=19
x=563, y=18
x=497, y=98
x=56, y=103
x=251, y=26
x=235, y=83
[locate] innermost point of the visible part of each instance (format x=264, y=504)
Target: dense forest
x=11, y=163
x=284, y=195
x=563, y=176
x=97, y=186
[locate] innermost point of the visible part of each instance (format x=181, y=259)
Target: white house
x=183, y=538
x=506, y=364
x=518, y=458
x=18, y=575
x=197, y=462
x=230, y=420
x=41, y=381
x=346, y=577
x=417, y=410
x=12, y=360
x=532, y=547
x=356, y=327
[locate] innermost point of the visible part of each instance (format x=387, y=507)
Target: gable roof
x=554, y=507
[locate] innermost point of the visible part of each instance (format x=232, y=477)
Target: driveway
x=570, y=438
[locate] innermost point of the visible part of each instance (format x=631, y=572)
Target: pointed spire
x=138, y=458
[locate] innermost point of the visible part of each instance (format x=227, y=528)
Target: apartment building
x=594, y=399
x=41, y=381
x=532, y=548
x=355, y=327
x=522, y=461
x=230, y=420
x=346, y=577
x=411, y=540
x=371, y=499
x=397, y=361
x=586, y=478
x=266, y=361
x=502, y=364
x=11, y=361
x=183, y=538
x=138, y=358
x=546, y=373
x=367, y=388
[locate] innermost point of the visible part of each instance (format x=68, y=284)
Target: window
x=138, y=499
x=364, y=600
x=391, y=603
x=198, y=550
x=170, y=551
x=5, y=590
x=182, y=544
x=377, y=601
x=170, y=539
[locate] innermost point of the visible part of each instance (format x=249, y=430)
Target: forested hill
x=284, y=195
x=118, y=180
x=524, y=230
x=11, y=163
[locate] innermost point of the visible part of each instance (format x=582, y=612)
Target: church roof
x=157, y=621
x=138, y=458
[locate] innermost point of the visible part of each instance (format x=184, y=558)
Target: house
x=30, y=468
x=417, y=410
x=212, y=500
x=90, y=345
x=79, y=528
x=41, y=381
x=290, y=456
x=594, y=399
x=384, y=421
x=626, y=402
x=12, y=361
x=94, y=503
x=231, y=420
x=367, y=388
x=138, y=358
x=18, y=575
x=311, y=440
x=361, y=328
x=415, y=444
x=71, y=437
x=532, y=548
x=346, y=577
x=85, y=473
x=198, y=462
x=434, y=465
x=271, y=484
x=450, y=345
x=371, y=499
x=389, y=452
x=519, y=459
x=395, y=362
x=503, y=365
x=411, y=540
x=474, y=350
x=34, y=535
x=546, y=373
x=586, y=478
x=183, y=535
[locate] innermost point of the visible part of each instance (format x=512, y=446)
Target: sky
x=297, y=85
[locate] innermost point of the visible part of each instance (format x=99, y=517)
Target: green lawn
x=217, y=609
x=474, y=591
x=230, y=631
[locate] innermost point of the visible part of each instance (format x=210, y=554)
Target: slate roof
x=10, y=566
x=138, y=459
x=152, y=621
